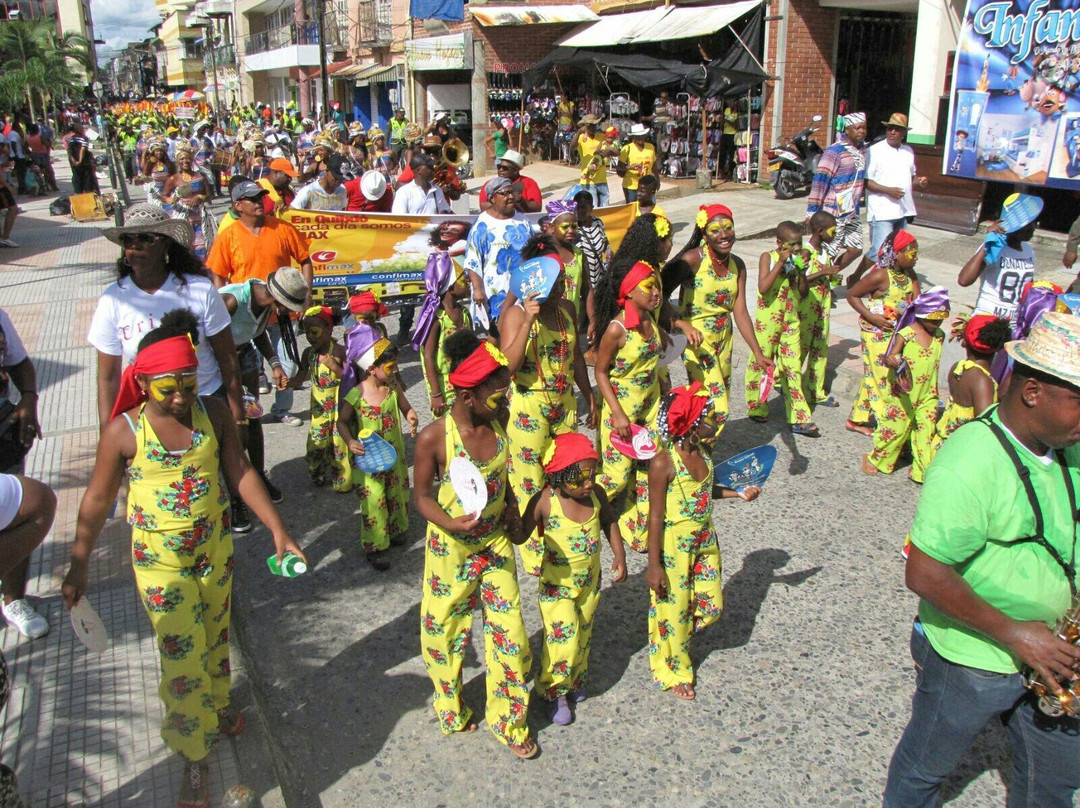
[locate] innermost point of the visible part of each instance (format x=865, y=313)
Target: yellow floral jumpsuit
x=912, y=414
x=634, y=378
x=542, y=406
x=814, y=315
x=442, y=364
x=328, y=457
x=875, y=343
x=462, y=572
x=776, y=323
x=182, y=552
x=955, y=416
x=384, y=496
x=572, y=272
x=569, y=594
x=706, y=303
x=691, y=559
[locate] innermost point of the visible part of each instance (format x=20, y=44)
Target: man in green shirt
x=991, y=582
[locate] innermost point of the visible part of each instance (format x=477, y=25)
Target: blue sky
x=121, y=21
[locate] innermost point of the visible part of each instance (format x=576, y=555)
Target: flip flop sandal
x=236, y=727
x=683, y=694
x=759, y=419
x=861, y=429
x=869, y=468
x=829, y=402
x=194, y=778
x=806, y=430
x=523, y=751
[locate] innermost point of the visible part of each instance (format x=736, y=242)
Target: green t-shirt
x=973, y=504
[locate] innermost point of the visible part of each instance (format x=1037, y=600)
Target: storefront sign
x=1015, y=107
x=390, y=251
x=512, y=67
x=451, y=52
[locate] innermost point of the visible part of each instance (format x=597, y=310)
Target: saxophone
x=592, y=165
x=1068, y=629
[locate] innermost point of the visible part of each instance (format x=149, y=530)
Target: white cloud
x=119, y=22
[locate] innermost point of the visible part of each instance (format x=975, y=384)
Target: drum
x=222, y=160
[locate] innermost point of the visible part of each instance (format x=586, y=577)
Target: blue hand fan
x=537, y=275
x=378, y=454
x=745, y=469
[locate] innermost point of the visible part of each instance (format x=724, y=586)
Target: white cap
x=639, y=130
x=373, y=185
x=514, y=157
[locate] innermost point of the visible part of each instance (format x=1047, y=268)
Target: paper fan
x=88, y=626
x=378, y=455
x=745, y=469
x=766, y=384
x=469, y=485
x=535, y=276
x=675, y=350
x=641, y=445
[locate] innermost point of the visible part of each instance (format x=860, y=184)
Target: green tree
x=37, y=61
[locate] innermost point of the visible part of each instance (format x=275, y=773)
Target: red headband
x=685, y=409
x=322, y=313
x=712, y=211
x=161, y=357
x=570, y=448
x=638, y=272
x=971, y=333
x=901, y=240
x=366, y=302
x=480, y=364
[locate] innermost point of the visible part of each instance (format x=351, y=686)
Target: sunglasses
x=505, y=167
x=577, y=480
x=163, y=387
x=140, y=239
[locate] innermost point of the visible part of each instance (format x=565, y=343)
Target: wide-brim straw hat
x=147, y=218
x=590, y=119
x=288, y=287
x=1052, y=347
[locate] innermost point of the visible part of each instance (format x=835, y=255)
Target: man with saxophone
x=595, y=151
x=993, y=559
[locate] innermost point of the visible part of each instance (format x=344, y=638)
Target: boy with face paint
x=572, y=512
x=816, y=306
x=375, y=404
x=468, y=557
x=323, y=362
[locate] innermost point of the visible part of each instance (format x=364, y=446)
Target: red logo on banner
x=323, y=256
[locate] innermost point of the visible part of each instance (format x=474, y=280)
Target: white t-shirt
x=1004, y=280
x=892, y=168
x=314, y=197
x=13, y=353
x=411, y=198
x=125, y=314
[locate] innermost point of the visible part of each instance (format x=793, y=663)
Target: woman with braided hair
x=684, y=557
x=627, y=371
x=712, y=291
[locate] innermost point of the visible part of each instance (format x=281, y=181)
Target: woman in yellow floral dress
x=712, y=291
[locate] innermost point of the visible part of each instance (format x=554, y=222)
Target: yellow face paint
x=792, y=245
x=910, y=252
x=495, y=399
x=162, y=387
x=719, y=226
x=831, y=232
x=648, y=286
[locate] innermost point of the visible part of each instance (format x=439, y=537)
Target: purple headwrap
x=932, y=301
x=1036, y=301
x=558, y=207
x=438, y=278
x=357, y=342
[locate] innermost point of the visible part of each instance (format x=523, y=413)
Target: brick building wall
x=806, y=74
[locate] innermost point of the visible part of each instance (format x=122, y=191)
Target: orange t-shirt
x=238, y=254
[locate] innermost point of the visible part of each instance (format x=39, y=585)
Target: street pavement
x=803, y=686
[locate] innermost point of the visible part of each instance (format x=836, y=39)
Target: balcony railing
x=374, y=23
x=305, y=33
x=224, y=56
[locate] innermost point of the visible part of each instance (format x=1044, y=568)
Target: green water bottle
x=290, y=566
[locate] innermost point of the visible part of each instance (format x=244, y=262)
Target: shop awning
x=378, y=73
x=658, y=25
x=490, y=16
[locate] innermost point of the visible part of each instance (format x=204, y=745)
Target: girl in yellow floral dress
x=909, y=408
x=323, y=362
x=712, y=291
x=441, y=315
x=375, y=404
x=889, y=286
x=782, y=285
x=628, y=379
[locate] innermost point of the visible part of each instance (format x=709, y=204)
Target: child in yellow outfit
x=540, y=342
x=323, y=361
x=684, y=558
x=890, y=285
x=375, y=404
x=816, y=308
x=781, y=287
x=468, y=558
x=177, y=451
x=909, y=409
x=441, y=315
x=571, y=514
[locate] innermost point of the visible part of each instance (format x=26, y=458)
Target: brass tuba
x=454, y=155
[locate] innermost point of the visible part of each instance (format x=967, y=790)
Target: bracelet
x=437, y=395
x=275, y=363
x=243, y=421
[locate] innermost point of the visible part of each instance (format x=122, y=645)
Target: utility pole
x=211, y=40
x=321, y=11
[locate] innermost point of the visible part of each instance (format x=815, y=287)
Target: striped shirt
x=593, y=243
x=839, y=182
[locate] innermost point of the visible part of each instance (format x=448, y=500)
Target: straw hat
x=897, y=119
x=375, y=132
x=288, y=287
x=147, y=218
x=1052, y=347
x=590, y=120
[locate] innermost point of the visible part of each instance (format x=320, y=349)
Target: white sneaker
x=22, y=615
x=288, y=419
x=8, y=242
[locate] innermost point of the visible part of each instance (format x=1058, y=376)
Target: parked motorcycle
x=792, y=166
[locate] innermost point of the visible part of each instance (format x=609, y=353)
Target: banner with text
x=388, y=251
x=1014, y=114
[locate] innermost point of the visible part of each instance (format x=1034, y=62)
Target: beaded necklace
x=561, y=353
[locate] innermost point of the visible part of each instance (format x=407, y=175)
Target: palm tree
x=35, y=59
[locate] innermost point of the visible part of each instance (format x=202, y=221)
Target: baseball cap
x=246, y=190
x=282, y=164
x=334, y=165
